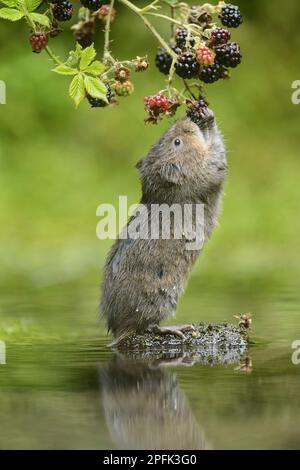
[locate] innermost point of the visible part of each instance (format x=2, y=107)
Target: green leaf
x=74, y=56
x=11, y=14
x=87, y=56
x=96, y=68
x=32, y=5
x=9, y=3
x=65, y=70
x=41, y=19
x=95, y=88
x=76, y=90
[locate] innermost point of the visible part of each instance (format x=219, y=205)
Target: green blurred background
x=57, y=164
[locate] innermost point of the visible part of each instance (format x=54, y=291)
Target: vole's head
x=187, y=162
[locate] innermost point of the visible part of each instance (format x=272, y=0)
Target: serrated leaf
x=11, y=14
x=65, y=70
x=9, y=3
x=87, y=56
x=76, y=89
x=96, y=68
x=32, y=5
x=95, y=88
x=40, y=19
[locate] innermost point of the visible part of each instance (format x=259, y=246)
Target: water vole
x=144, y=278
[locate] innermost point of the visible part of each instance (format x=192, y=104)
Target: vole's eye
x=177, y=142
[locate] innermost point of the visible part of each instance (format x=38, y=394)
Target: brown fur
x=144, y=278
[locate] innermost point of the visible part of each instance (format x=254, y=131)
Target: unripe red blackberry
x=38, y=41
x=103, y=12
x=63, y=11
x=212, y=73
x=98, y=103
x=229, y=55
x=219, y=36
x=231, y=16
x=92, y=5
x=187, y=66
x=205, y=56
x=124, y=88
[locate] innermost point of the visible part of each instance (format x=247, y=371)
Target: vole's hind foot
x=176, y=330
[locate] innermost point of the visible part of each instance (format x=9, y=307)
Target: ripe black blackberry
x=98, y=103
x=181, y=38
x=212, y=73
x=198, y=112
x=231, y=16
x=187, y=66
x=163, y=61
x=229, y=54
x=92, y=5
x=84, y=38
x=219, y=36
x=63, y=11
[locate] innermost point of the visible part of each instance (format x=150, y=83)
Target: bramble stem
x=53, y=56
x=106, y=54
x=149, y=25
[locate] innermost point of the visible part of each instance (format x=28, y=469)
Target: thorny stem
x=165, y=17
x=149, y=25
x=187, y=87
x=106, y=54
x=53, y=56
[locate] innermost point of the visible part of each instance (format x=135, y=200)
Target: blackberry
x=97, y=103
x=219, y=36
x=181, y=38
x=84, y=38
x=186, y=65
x=199, y=113
x=229, y=55
x=212, y=73
x=63, y=11
x=231, y=16
x=163, y=61
x=38, y=41
x=92, y=5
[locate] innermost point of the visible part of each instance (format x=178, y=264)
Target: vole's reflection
x=146, y=409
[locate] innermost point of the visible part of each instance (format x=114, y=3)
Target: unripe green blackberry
x=229, y=55
x=63, y=11
x=92, y=5
x=98, y=103
x=231, y=16
x=187, y=66
x=38, y=41
x=124, y=88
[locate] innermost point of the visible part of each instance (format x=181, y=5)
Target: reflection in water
x=145, y=408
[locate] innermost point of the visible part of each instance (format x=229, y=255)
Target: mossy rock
x=211, y=343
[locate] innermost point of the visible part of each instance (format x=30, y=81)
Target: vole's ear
x=172, y=173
